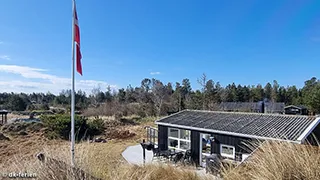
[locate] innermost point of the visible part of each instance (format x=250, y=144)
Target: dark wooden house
x=296, y=110
x=259, y=107
x=226, y=133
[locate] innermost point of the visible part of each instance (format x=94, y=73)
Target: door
x=205, y=148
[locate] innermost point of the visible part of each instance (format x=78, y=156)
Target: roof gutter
x=225, y=132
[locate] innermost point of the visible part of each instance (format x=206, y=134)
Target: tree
x=159, y=94
x=196, y=100
x=231, y=93
x=203, y=83
x=96, y=95
x=219, y=92
x=268, y=91
x=145, y=84
x=177, y=97
x=121, y=95
x=210, y=94
x=282, y=94
x=240, y=94
x=311, y=94
x=16, y=103
x=185, y=93
x=275, y=91
x=108, y=94
x=169, y=89
x=131, y=95
x=292, y=95
x=314, y=99
x=257, y=93
x=246, y=94
x=64, y=98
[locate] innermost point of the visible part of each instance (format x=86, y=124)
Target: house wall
x=195, y=146
x=314, y=137
x=296, y=111
x=237, y=142
x=240, y=144
x=162, y=137
x=292, y=110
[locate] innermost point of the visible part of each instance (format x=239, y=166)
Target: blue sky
x=122, y=42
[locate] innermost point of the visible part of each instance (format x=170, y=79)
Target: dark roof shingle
x=287, y=127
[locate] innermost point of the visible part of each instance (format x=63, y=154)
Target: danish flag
x=77, y=40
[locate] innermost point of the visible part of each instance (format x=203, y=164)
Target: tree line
x=153, y=97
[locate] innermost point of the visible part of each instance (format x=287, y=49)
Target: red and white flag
x=77, y=40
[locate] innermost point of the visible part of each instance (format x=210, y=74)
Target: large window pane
x=184, y=145
x=173, y=133
x=184, y=134
x=173, y=143
x=227, y=151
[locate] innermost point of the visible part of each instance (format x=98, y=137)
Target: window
x=173, y=133
x=184, y=134
x=184, y=145
x=227, y=151
x=173, y=143
x=179, y=138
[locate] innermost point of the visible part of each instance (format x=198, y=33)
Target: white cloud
x=51, y=83
x=155, y=73
x=5, y=57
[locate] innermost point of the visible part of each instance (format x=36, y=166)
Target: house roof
x=296, y=106
x=3, y=112
x=250, y=125
x=274, y=107
x=249, y=106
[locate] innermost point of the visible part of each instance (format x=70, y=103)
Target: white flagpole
x=72, y=90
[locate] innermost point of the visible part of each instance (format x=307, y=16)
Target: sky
x=123, y=41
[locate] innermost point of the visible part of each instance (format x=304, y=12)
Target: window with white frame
x=227, y=151
x=179, y=138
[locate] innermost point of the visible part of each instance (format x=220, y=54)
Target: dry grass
x=14, y=116
x=155, y=172
x=279, y=160
x=102, y=160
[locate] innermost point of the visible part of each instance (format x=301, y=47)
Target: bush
x=37, y=107
x=41, y=112
x=57, y=110
x=96, y=126
x=59, y=126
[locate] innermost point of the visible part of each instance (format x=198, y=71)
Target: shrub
x=60, y=126
x=95, y=126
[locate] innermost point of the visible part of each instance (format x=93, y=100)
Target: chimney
x=261, y=106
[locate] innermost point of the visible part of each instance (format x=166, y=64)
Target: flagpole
x=72, y=90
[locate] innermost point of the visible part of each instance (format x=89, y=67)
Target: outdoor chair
x=156, y=152
x=178, y=157
x=187, y=156
x=165, y=154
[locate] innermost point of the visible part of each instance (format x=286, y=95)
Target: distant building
x=296, y=110
x=4, y=118
x=259, y=107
